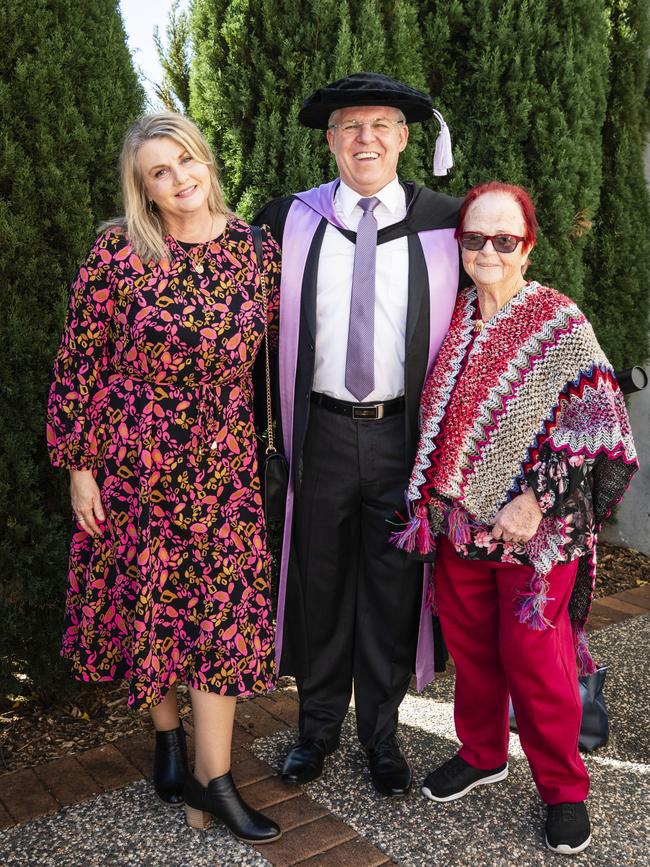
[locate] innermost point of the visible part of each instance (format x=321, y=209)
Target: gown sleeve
x=74, y=415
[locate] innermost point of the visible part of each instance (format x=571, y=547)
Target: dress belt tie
x=203, y=393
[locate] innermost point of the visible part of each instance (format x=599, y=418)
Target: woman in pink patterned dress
x=151, y=412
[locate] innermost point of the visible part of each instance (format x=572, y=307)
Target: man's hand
x=86, y=502
x=518, y=520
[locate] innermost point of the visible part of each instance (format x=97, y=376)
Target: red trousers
x=495, y=655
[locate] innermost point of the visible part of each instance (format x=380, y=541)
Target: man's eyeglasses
x=502, y=243
x=379, y=126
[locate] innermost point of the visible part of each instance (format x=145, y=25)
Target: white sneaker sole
x=484, y=781
x=565, y=849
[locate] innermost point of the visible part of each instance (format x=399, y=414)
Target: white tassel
x=443, y=159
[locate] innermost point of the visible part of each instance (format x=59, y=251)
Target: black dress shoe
x=170, y=766
x=389, y=769
x=304, y=762
x=221, y=800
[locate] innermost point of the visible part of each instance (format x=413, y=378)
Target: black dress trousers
x=353, y=600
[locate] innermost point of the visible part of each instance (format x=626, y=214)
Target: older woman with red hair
x=525, y=448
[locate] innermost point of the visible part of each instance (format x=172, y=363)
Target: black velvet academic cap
x=364, y=88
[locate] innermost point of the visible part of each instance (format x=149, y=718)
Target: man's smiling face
x=367, y=156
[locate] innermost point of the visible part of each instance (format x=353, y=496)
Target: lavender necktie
x=360, y=361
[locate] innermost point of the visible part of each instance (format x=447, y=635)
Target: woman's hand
x=86, y=502
x=518, y=520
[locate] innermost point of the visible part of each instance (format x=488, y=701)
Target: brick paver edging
x=312, y=835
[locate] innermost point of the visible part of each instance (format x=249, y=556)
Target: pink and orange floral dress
x=153, y=391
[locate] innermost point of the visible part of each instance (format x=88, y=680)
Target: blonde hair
x=141, y=220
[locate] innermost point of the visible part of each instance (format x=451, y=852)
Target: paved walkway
x=98, y=808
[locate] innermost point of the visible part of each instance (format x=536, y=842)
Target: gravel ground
x=625, y=649
x=126, y=828
x=493, y=826
x=501, y=824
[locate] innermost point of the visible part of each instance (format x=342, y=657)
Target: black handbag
x=275, y=470
x=594, y=730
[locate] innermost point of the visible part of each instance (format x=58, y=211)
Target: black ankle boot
x=221, y=800
x=170, y=766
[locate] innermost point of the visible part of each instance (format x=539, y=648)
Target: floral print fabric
x=562, y=486
x=152, y=391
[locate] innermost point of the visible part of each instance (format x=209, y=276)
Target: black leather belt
x=359, y=411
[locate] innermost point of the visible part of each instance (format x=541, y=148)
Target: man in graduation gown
x=369, y=279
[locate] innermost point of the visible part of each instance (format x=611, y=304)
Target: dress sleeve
x=73, y=412
x=272, y=262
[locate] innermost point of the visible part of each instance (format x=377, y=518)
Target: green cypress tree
x=254, y=64
x=523, y=85
x=67, y=92
x=618, y=256
x=174, y=90
x=109, y=97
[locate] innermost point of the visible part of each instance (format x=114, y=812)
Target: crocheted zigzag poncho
x=507, y=408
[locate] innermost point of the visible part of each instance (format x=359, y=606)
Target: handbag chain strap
x=257, y=243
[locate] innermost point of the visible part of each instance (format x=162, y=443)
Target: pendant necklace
x=479, y=321
x=198, y=265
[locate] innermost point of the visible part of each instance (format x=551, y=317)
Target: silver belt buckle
x=368, y=413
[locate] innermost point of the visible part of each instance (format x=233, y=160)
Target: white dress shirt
x=334, y=292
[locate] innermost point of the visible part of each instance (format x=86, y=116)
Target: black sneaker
x=456, y=778
x=567, y=828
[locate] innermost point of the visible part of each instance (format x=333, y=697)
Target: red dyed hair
x=520, y=196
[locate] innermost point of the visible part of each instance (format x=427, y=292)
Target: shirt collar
x=392, y=197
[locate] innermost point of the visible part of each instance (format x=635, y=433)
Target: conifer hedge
x=67, y=92
x=524, y=86
x=617, y=299
x=255, y=62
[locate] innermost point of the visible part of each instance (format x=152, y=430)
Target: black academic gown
x=426, y=210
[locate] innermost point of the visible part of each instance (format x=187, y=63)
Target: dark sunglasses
x=501, y=243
